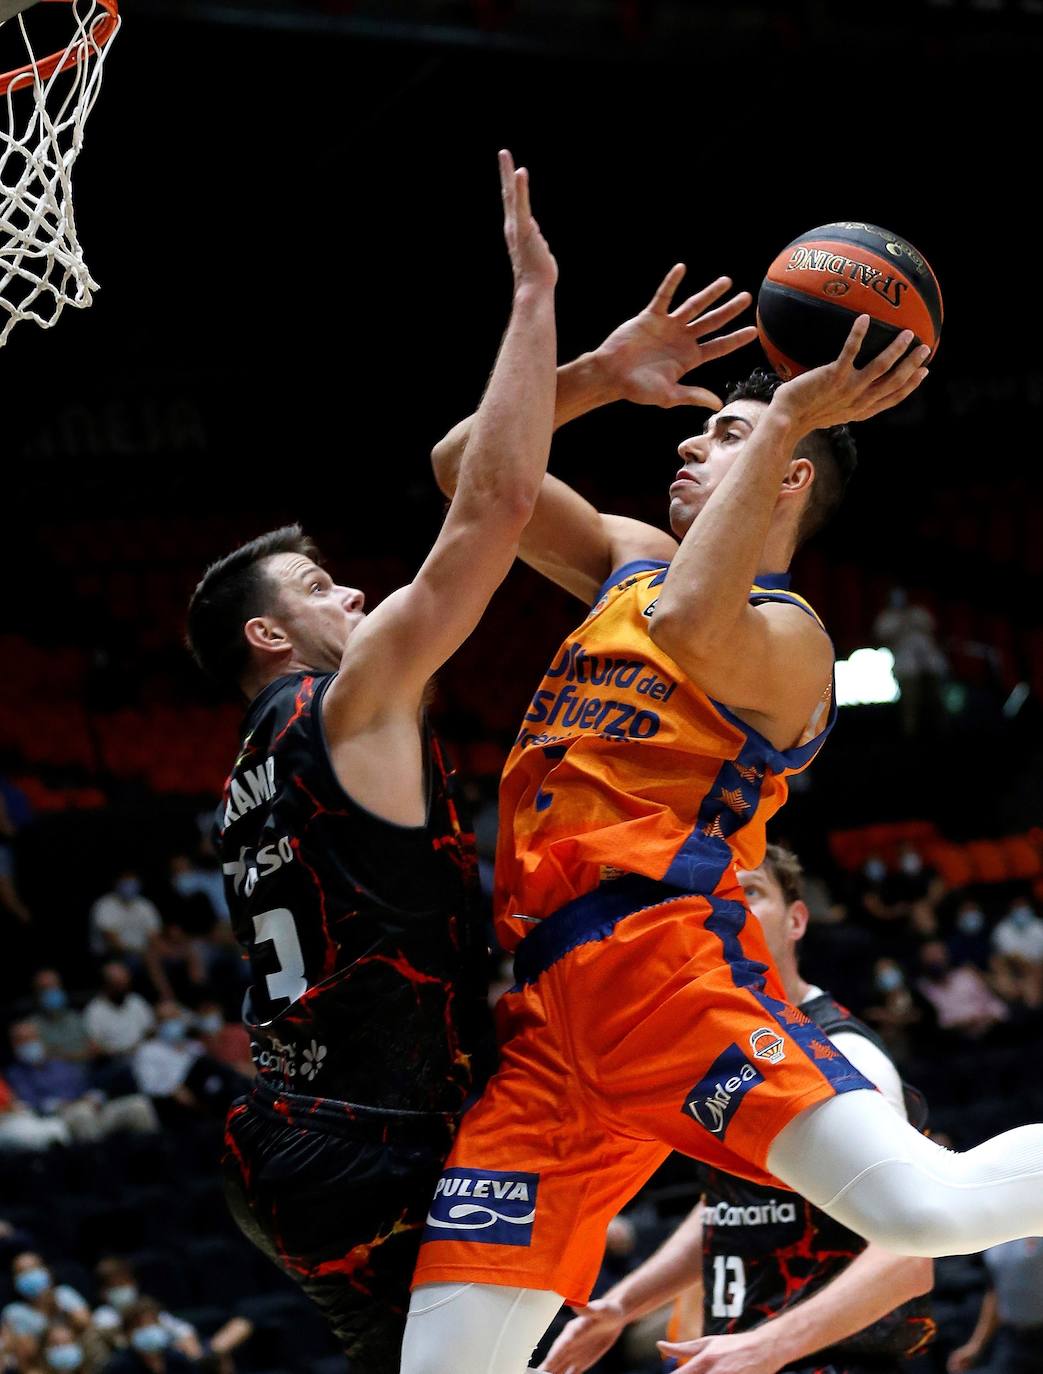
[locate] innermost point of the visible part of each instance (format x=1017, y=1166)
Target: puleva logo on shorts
x=483, y=1205
x=716, y=1098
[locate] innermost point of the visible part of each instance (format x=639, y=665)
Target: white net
x=47, y=103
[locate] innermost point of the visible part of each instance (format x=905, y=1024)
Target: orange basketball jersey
x=623, y=765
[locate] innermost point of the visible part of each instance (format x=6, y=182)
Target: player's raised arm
x=773, y=660
x=409, y=636
x=642, y=361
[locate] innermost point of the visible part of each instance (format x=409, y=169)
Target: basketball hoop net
x=47, y=103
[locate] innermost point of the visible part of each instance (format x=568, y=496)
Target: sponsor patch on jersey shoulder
x=483, y=1205
x=716, y=1098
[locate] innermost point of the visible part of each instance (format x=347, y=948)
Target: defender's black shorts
x=337, y=1197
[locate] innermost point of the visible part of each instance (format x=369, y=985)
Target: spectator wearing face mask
x=22, y=1330
x=969, y=940
x=149, y=1348
x=195, y=906
x=961, y=999
x=918, y=886
x=63, y=1348
x=913, y=879
x=125, y=923
x=61, y=1028
x=54, y=1088
x=162, y=1062
x=894, y=1010
x=192, y=895
x=886, y=897
x=37, y=1292
x=1017, y=962
x=117, y=1019
x=118, y=1285
x=173, y=1068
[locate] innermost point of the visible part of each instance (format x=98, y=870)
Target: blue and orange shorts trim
x=644, y=1019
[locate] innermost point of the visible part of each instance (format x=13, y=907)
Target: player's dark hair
x=232, y=591
x=832, y=451
x=784, y=866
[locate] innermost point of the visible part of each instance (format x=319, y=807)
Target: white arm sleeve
x=873, y=1064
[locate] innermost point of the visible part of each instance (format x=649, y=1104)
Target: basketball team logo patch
x=716, y=1098
x=767, y=1044
x=483, y=1205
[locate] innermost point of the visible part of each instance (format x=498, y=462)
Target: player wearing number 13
x=348, y=871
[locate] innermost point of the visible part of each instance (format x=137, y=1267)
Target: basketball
x=820, y=282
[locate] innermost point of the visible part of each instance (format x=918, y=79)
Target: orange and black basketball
x=821, y=281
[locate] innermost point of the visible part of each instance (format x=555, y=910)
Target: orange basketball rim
x=102, y=28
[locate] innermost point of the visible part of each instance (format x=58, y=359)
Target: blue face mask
x=875, y=870
x=30, y=1052
x=212, y=1023
x=25, y=1321
x=173, y=1030
x=184, y=884
x=53, y=999
x=889, y=978
x=971, y=921
x=128, y=888
x=149, y=1339
x=30, y=1283
x=64, y=1356
x=121, y=1295
x=1021, y=917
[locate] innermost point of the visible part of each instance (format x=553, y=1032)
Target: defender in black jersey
x=348, y=868
x=782, y=1285
x=764, y=1250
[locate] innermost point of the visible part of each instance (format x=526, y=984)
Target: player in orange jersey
x=647, y=1014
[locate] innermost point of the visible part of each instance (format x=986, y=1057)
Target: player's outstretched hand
x=646, y=357
x=746, y=1352
x=963, y=1358
x=532, y=261
x=585, y=1339
x=840, y=392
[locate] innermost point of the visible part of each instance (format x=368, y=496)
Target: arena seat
x=286, y=1324
x=216, y=1271
x=161, y=1274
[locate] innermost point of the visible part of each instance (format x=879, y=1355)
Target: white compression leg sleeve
x=475, y=1328
x=853, y=1157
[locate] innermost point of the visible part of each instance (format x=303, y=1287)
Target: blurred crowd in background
x=124, y=1049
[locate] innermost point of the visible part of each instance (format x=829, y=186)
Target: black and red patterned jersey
x=364, y=937
x=765, y=1249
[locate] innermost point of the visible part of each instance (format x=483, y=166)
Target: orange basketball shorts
x=643, y=1020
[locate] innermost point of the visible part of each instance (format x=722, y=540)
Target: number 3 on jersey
x=278, y=927
x=729, y=1286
